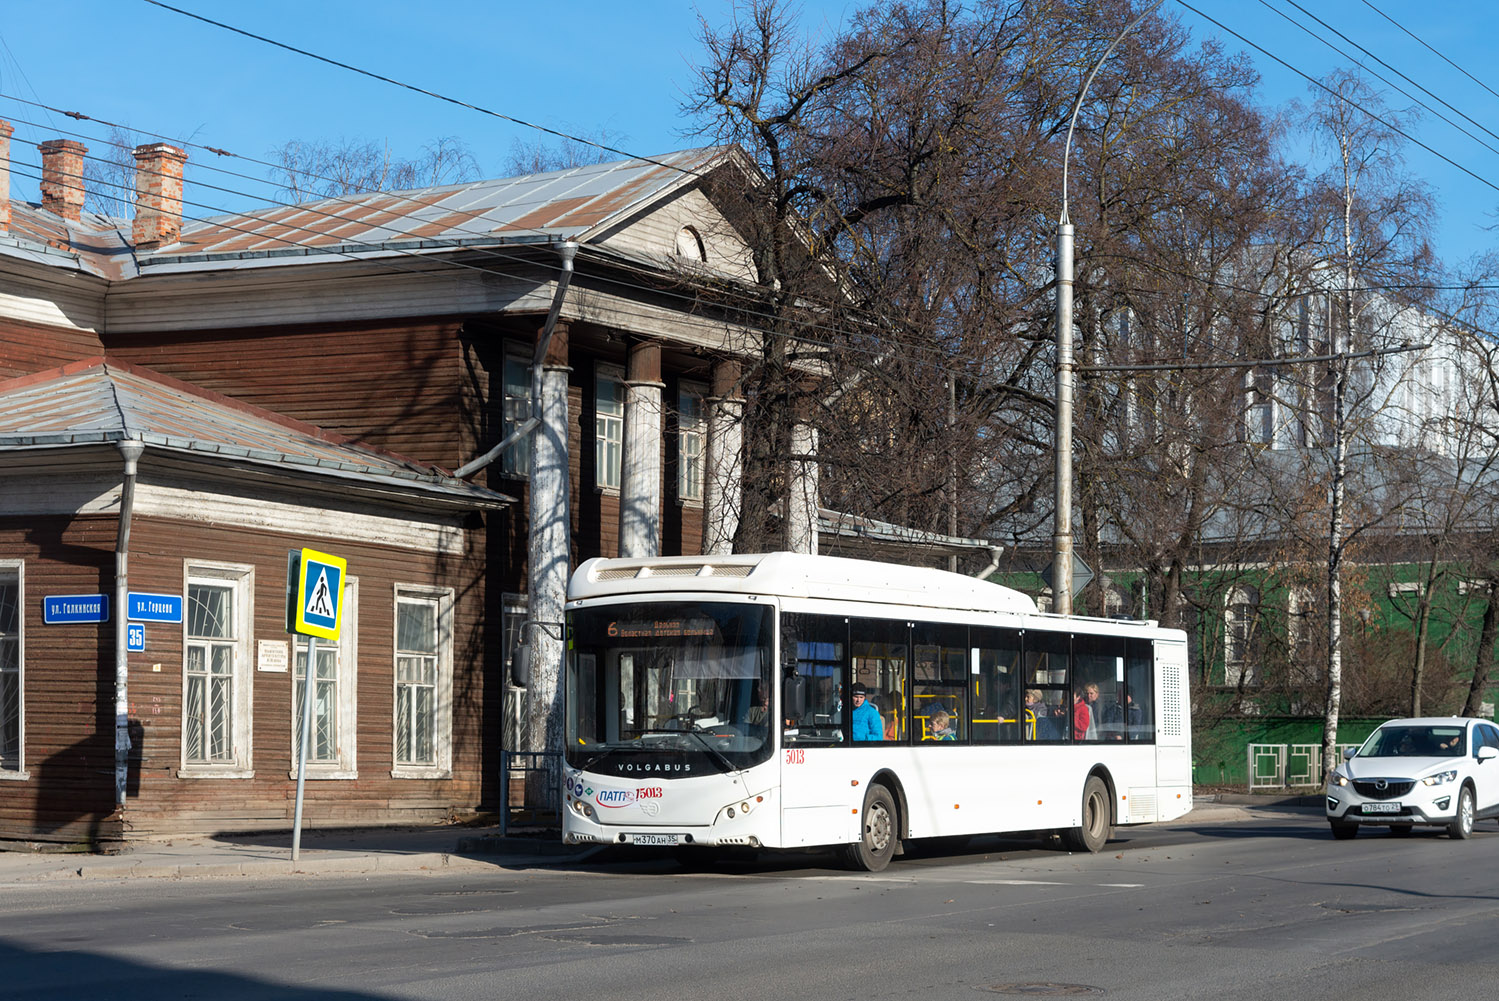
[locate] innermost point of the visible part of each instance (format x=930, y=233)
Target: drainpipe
x=995, y=552
x=131, y=450
x=567, y=251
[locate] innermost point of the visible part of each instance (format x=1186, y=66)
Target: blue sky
x=592, y=67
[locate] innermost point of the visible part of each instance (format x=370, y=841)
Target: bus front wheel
x=1097, y=823
x=878, y=833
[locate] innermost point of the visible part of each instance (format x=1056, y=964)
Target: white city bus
x=791, y=701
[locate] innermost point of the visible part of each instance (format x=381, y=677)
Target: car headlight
x=1337, y=779
x=1440, y=777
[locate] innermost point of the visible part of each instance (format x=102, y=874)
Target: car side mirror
x=1349, y=752
x=1486, y=752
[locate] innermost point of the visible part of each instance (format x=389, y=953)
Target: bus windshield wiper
x=608, y=750
x=713, y=752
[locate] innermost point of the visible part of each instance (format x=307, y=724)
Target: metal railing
x=1287, y=766
x=533, y=789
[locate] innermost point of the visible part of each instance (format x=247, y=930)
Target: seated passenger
x=941, y=726
x=1038, y=718
x=866, y=718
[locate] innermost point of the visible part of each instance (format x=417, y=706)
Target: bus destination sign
x=662, y=628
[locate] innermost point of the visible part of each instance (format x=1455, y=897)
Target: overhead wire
x=412, y=87
x=1433, y=51
x=314, y=208
x=491, y=252
x=875, y=318
x=1352, y=103
x=1381, y=78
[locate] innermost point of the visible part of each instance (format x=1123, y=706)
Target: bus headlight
x=743, y=807
x=582, y=809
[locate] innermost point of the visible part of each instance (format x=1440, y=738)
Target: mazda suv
x=1435, y=771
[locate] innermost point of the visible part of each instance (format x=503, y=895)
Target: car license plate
x=656, y=839
x=1381, y=807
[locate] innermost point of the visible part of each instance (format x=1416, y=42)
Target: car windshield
x=1415, y=741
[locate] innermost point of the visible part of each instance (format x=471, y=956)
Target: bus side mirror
x=794, y=697
x=520, y=665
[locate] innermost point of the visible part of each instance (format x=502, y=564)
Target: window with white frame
x=424, y=682
x=1301, y=610
x=517, y=410
x=1259, y=409
x=1240, y=615
x=608, y=425
x=330, y=752
x=12, y=701
x=691, y=433
x=216, y=670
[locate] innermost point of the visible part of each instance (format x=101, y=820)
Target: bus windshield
x=673, y=687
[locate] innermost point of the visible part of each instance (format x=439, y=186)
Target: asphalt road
x=1272, y=908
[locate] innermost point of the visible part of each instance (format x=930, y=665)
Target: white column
x=548, y=557
x=640, y=472
x=801, y=491
x=723, y=463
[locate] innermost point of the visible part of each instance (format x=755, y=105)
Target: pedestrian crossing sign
x=319, y=603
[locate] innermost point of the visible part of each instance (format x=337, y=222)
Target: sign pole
x=309, y=681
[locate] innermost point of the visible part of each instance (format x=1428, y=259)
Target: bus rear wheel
x=878, y=833
x=1097, y=823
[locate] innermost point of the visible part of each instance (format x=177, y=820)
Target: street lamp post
x=1062, y=562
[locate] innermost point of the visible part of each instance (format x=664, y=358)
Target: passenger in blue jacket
x=868, y=725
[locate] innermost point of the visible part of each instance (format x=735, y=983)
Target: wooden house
x=464, y=390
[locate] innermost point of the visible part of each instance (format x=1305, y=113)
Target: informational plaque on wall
x=272, y=655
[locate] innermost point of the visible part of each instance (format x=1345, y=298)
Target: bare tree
x=1375, y=234
x=311, y=169
x=540, y=157
x=109, y=173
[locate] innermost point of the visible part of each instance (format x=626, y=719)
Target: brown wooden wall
x=69, y=687
x=27, y=347
x=69, y=684
x=395, y=385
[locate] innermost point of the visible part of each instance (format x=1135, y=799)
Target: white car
x=1436, y=770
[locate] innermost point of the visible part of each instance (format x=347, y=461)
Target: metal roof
x=100, y=400
x=569, y=204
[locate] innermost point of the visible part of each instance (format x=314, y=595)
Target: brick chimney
x=158, y=194
x=62, y=177
x=6, y=131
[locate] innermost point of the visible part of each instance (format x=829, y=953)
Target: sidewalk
x=417, y=850
x=268, y=854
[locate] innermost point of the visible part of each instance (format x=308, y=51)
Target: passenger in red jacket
x=1080, y=716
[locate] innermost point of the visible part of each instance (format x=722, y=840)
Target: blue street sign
x=144, y=607
x=65, y=608
x=135, y=636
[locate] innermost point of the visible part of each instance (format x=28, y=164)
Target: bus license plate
x=656, y=839
x=1381, y=807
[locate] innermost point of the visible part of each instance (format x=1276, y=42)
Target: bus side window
x=814, y=647
x=995, y=680
x=879, y=661
x=1139, y=690
x=1098, y=678
x=1047, y=656
x=940, y=683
